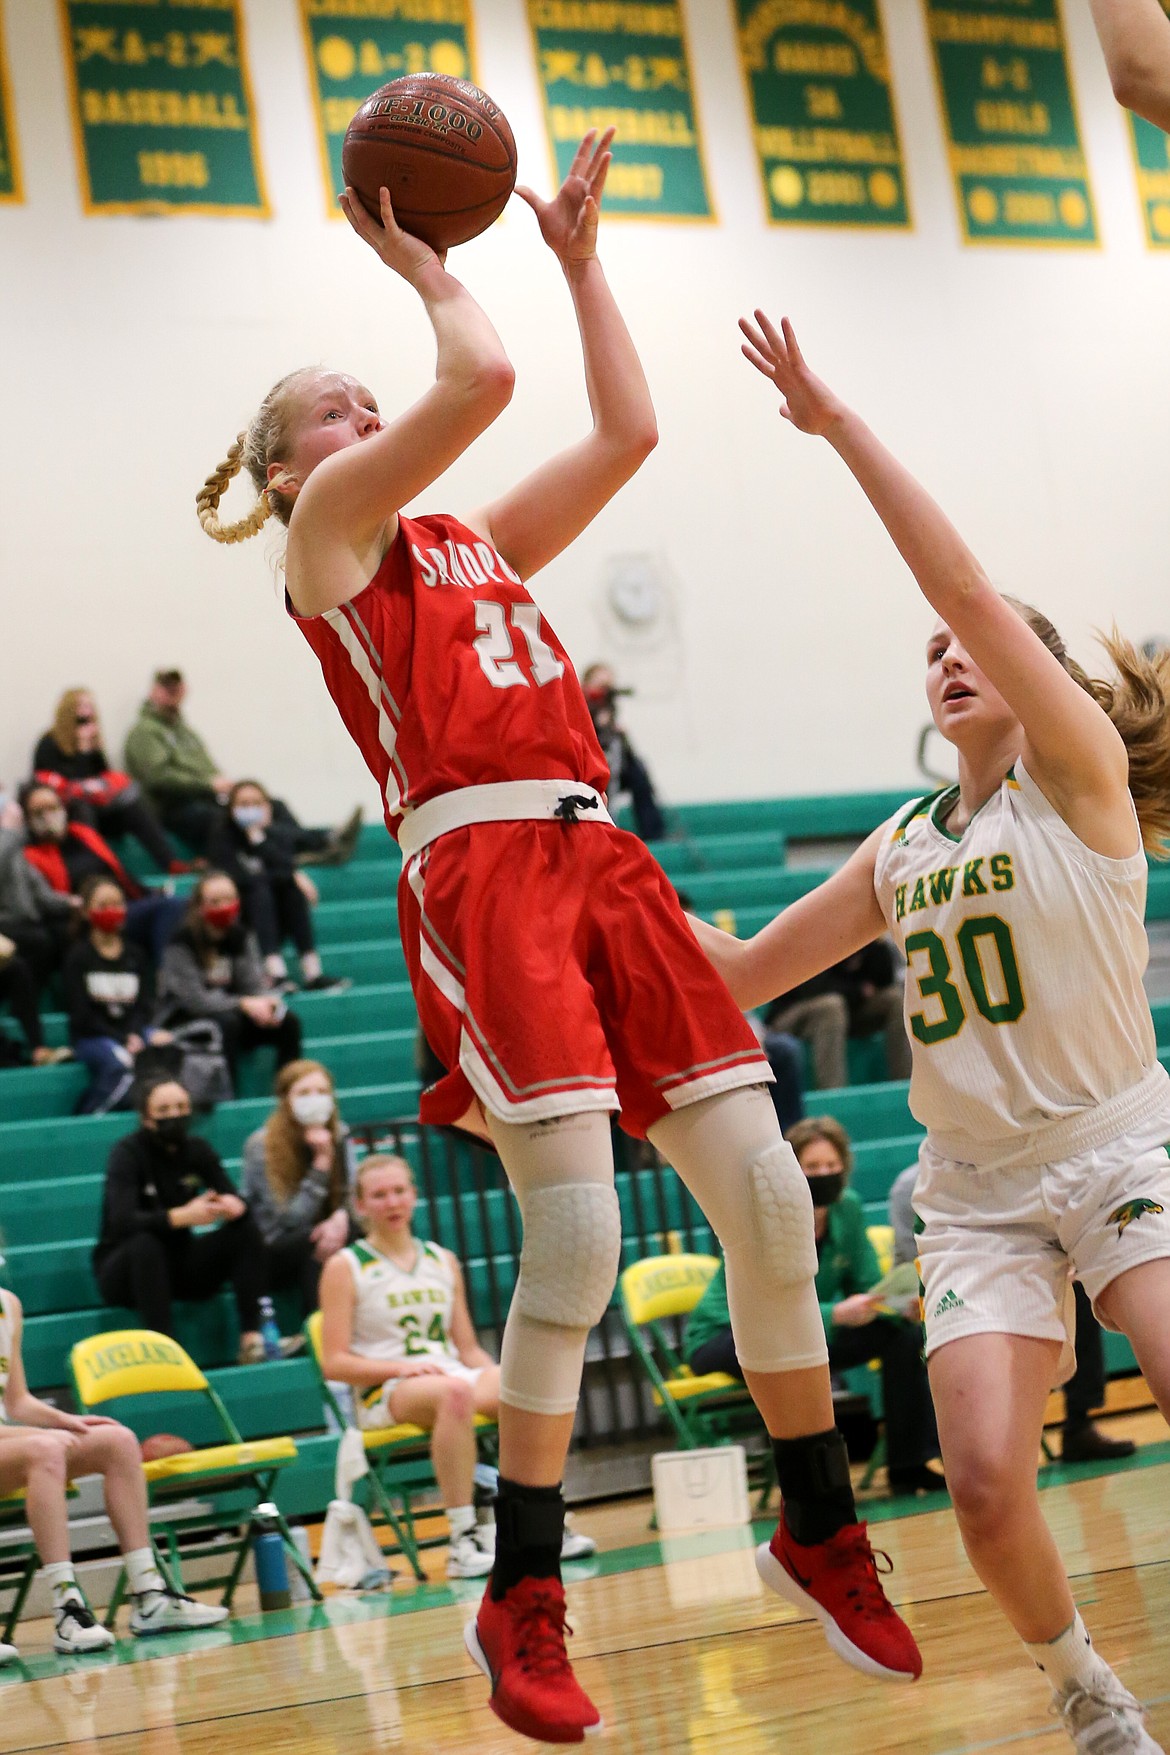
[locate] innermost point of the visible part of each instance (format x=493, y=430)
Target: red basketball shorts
x=554, y=972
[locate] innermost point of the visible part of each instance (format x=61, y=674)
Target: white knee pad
x=782, y=1214
x=569, y=1262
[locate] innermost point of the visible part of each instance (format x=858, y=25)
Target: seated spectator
x=18, y=991
x=787, y=1064
x=855, y=1325
x=212, y=969
x=71, y=760
x=856, y=997
x=1081, y=1439
x=34, y=918
x=162, y=1182
x=42, y=1449
x=109, y=996
x=297, y=1173
x=397, y=1327
x=174, y=767
x=259, y=856
x=628, y=771
x=66, y=853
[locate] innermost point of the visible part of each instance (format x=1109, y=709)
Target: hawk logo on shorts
x=1133, y=1209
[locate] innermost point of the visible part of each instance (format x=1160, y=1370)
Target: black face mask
x=171, y=1130
x=827, y=1190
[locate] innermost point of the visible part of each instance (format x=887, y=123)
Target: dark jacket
x=872, y=966
x=230, y=850
x=108, y=996
x=144, y=1180
x=26, y=896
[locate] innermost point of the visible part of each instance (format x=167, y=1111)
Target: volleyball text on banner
x=822, y=107
x=162, y=107
x=354, y=46
x=10, y=188
x=1151, y=151
x=624, y=65
x=1010, y=117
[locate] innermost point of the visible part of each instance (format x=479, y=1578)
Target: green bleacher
x=732, y=857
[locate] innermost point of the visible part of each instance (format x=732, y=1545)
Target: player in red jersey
x=554, y=971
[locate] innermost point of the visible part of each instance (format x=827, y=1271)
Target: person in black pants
x=162, y=1183
x=212, y=969
x=109, y=996
x=259, y=854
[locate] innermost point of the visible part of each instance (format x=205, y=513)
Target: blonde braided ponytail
x=209, y=495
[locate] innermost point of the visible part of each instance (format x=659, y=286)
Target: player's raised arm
x=542, y=514
x=1071, y=748
x=346, y=506
x=1135, y=35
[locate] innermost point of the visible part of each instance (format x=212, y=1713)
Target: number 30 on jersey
x=982, y=941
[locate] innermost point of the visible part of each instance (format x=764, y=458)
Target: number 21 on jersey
x=495, y=646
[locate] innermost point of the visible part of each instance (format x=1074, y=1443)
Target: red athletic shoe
x=838, y=1580
x=519, y=1644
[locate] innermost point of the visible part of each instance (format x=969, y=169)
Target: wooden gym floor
x=676, y=1640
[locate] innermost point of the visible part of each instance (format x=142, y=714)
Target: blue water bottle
x=269, y=1558
x=269, y=1329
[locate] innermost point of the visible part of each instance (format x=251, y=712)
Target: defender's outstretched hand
x=399, y=250
x=808, y=404
x=568, y=223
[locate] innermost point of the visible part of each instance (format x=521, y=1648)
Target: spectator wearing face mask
x=212, y=969
x=276, y=899
x=35, y=919
x=163, y=1183
x=856, y=1325
x=628, y=771
x=176, y=770
x=67, y=853
x=109, y=995
x=70, y=759
x=298, y=1171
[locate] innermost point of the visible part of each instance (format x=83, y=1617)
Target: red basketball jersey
x=447, y=674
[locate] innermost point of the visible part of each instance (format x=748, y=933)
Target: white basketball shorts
x=377, y=1411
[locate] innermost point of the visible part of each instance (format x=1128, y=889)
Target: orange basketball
x=441, y=147
x=163, y=1444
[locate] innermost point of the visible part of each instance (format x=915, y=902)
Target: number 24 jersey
x=400, y=1314
x=1025, y=951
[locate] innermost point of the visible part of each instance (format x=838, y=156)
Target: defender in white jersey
x=42, y=1448
x=396, y=1325
x=1018, y=898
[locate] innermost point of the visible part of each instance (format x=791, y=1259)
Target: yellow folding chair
x=399, y=1459
x=712, y=1409
x=205, y=1492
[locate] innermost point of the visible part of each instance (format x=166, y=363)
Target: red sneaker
x=519, y=1644
x=838, y=1580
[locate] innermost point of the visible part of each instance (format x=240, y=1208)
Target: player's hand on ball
x=808, y=404
x=568, y=223
x=399, y=250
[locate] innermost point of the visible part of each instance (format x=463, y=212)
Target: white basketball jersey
x=400, y=1314
x=1025, y=952
x=7, y=1343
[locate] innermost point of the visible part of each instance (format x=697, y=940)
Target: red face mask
x=111, y=919
x=220, y=915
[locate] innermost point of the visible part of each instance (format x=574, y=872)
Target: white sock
x=275, y=966
x=311, y=965
x=461, y=1519
x=62, y=1581
x=1069, y=1658
x=142, y=1573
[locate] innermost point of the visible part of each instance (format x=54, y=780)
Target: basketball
x=441, y=147
x=163, y=1444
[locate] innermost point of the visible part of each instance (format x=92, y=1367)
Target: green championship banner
x=1151, y=151
x=162, y=108
x=822, y=105
x=624, y=64
x=10, y=188
x=354, y=46
x=1007, y=103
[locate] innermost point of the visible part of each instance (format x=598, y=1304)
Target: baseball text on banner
x=162, y=107
x=354, y=46
x=822, y=106
x=1007, y=103
x=624, y=65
